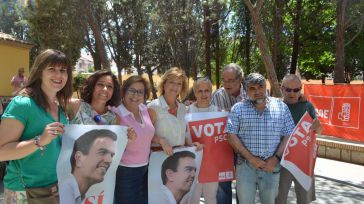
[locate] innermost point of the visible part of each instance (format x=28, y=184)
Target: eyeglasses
x=134, y=92
x=290, y=90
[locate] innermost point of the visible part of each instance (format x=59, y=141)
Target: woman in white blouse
x=169, y=112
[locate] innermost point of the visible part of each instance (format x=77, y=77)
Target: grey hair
x=254, y=78
x=201, y=80
x=291, y=77
x=236, y=68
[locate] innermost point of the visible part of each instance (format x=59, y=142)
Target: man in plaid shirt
x=258, y=128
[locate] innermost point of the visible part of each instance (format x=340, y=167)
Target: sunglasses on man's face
x=290, y=90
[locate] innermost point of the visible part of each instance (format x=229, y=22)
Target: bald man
x=291, y=91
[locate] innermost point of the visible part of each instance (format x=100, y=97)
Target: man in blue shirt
x=258, y=128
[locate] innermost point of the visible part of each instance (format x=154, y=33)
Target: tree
x=54, y=24
x=263, y=45
x=296, y=37
x=95, y=26
x=339, y=76
x=12, y=20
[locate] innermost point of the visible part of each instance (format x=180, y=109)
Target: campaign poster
x=208, y=128
x=176, y=173
x=88, y=161
x=299, y=156
x=339, y=109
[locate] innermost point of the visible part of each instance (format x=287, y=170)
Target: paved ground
x=336, y=183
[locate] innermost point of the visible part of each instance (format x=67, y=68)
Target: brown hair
x=174, y=73
x=135, y=79
x=89, y=87
x=32, y=89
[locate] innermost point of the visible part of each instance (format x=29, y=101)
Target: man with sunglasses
x=291, y=91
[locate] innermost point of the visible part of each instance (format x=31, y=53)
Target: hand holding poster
x=208, y=128
x=176, y=173
x=299, y=157
x=88, y=161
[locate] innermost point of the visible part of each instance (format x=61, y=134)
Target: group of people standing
x=258, y=127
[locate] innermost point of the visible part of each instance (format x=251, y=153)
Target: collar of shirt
x=168, y=194
x=77, y=194
x=164, y=105
x=125, y=112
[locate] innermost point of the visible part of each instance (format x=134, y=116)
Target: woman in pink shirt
x=131, y=184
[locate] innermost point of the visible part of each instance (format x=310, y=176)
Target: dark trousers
x=224, y=193
x=131, y=185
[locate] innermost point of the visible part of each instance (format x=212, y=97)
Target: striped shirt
x=260, y=132
x=224, y=101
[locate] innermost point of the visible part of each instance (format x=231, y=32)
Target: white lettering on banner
x=323, y=113
x=208, y=129
x=226, y=175
x=305, y=126
x=345, y=114
x=197, y=132
x=220, y=138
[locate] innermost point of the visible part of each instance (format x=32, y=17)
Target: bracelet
x=278, y=157
x=37, y=143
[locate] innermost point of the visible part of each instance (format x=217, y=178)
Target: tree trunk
x=277, y=56
x=248, y=31
x=150, y=77
x=217, y=53
x=296, y=37
x=207, y=34
x=339, y=76
x=263, y=46
x=85, y=4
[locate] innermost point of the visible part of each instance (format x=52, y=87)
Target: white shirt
x=167, y=125
x=69, y=192
x=163, y=196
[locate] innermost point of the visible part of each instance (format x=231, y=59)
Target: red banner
x=218, y=158
x=338, y=107
x=300, y=154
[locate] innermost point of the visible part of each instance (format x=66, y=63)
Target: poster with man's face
x=171, y=179
x=88, y=161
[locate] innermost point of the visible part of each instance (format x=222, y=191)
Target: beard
x=257, y=101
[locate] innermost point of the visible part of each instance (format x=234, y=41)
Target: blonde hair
x=174, y=73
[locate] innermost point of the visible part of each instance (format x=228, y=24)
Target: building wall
x=11, y=58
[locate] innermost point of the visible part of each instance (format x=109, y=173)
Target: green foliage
x=12, y=21
x=78, y=81
x=161, y=34
x=56, y=24
x=316, y=57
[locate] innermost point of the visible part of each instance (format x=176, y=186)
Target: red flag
x=218, y=158
x=299, y=156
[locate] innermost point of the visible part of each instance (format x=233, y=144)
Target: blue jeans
x=131, y=185
x=249, y=179
x=224, y=193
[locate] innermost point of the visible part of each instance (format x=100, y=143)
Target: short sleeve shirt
x=260, y=132
x=34, y=170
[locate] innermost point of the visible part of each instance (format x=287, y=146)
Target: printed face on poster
x=88, y=161
x=177, y=173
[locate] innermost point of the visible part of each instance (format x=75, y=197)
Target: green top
x=34, y=170
x=298, y=109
